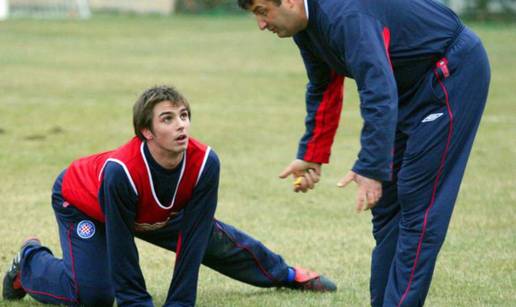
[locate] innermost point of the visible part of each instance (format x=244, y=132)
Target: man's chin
x=287, y=33
x=177, y=149
x=284, y=34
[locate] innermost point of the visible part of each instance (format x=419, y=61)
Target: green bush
x=484, y=10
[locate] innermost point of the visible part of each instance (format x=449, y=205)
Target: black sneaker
x=306, y=280
x=12, y=288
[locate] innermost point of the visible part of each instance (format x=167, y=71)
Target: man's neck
x=166, y=159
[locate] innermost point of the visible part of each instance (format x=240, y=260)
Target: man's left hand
x=305, y=174
x=369, y=190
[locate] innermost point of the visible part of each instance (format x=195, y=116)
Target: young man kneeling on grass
x=161, y=187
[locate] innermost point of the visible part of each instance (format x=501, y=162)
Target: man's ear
x=289, y=3
x=147, y=134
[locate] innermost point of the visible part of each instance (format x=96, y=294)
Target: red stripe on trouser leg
x=76, y=285
x=73, y=261
x=434, y=190
x=62, y=298
x=250, y=252
x=326, y=122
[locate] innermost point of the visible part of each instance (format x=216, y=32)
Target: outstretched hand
x=305, y=174
x=369, y=190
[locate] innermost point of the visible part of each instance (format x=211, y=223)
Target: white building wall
x=164, y=7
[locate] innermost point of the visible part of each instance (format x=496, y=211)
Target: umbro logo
x=432, y=117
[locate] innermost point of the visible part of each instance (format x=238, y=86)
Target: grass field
x=66, y=90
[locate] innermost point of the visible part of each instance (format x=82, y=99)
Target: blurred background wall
x=483, y=9
x=470, y=9
x=164, y=7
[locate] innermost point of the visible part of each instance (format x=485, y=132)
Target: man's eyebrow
x=183, y=109
x=166, y=113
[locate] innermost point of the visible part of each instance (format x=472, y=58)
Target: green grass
x=66, y=90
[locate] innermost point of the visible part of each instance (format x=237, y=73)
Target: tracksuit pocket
x=441, y=75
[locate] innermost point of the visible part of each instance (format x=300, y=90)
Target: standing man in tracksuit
x=161, y=187
x=423, y=80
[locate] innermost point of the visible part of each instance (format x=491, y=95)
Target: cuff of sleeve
x=321, y=156
x=381, y=175
x=314, y=158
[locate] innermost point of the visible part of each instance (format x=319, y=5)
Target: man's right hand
x=305, y=174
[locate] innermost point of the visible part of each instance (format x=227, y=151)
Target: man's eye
x=167, y=119
x=184, y=116
x=261, y=12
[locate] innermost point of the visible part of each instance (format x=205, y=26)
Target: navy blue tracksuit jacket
x=377, y=43
x=423, y=79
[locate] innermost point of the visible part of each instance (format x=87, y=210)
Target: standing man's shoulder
x=337, y=8
x=328, y=15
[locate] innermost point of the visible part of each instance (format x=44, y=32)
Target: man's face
x=285, y=20
x=170, y=127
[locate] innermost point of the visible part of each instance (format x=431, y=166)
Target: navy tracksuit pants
x=438, y=120
x=82, y=277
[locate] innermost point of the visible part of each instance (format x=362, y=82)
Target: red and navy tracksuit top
x=385, y=46
x=131, y=193
x=82, y=180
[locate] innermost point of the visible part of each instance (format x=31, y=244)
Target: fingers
x=367, y=198
x=372, y=198
x=312, y=177
x=296, y=167
x=316, y=168
x=369, y=190
x=286, y=172
x=361, y=200
x=307, y=181
x=305, y=174
x=350, y=176
x=373, y=194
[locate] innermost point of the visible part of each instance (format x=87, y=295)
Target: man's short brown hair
x=246, y=4
x=142, y=109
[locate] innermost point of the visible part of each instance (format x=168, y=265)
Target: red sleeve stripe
x=327, y=117
x=387, y=43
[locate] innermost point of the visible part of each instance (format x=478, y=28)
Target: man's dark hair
x=142, y=109
x=246, y=4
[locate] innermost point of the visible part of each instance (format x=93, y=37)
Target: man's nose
x=181, y=125
x=261, y=23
